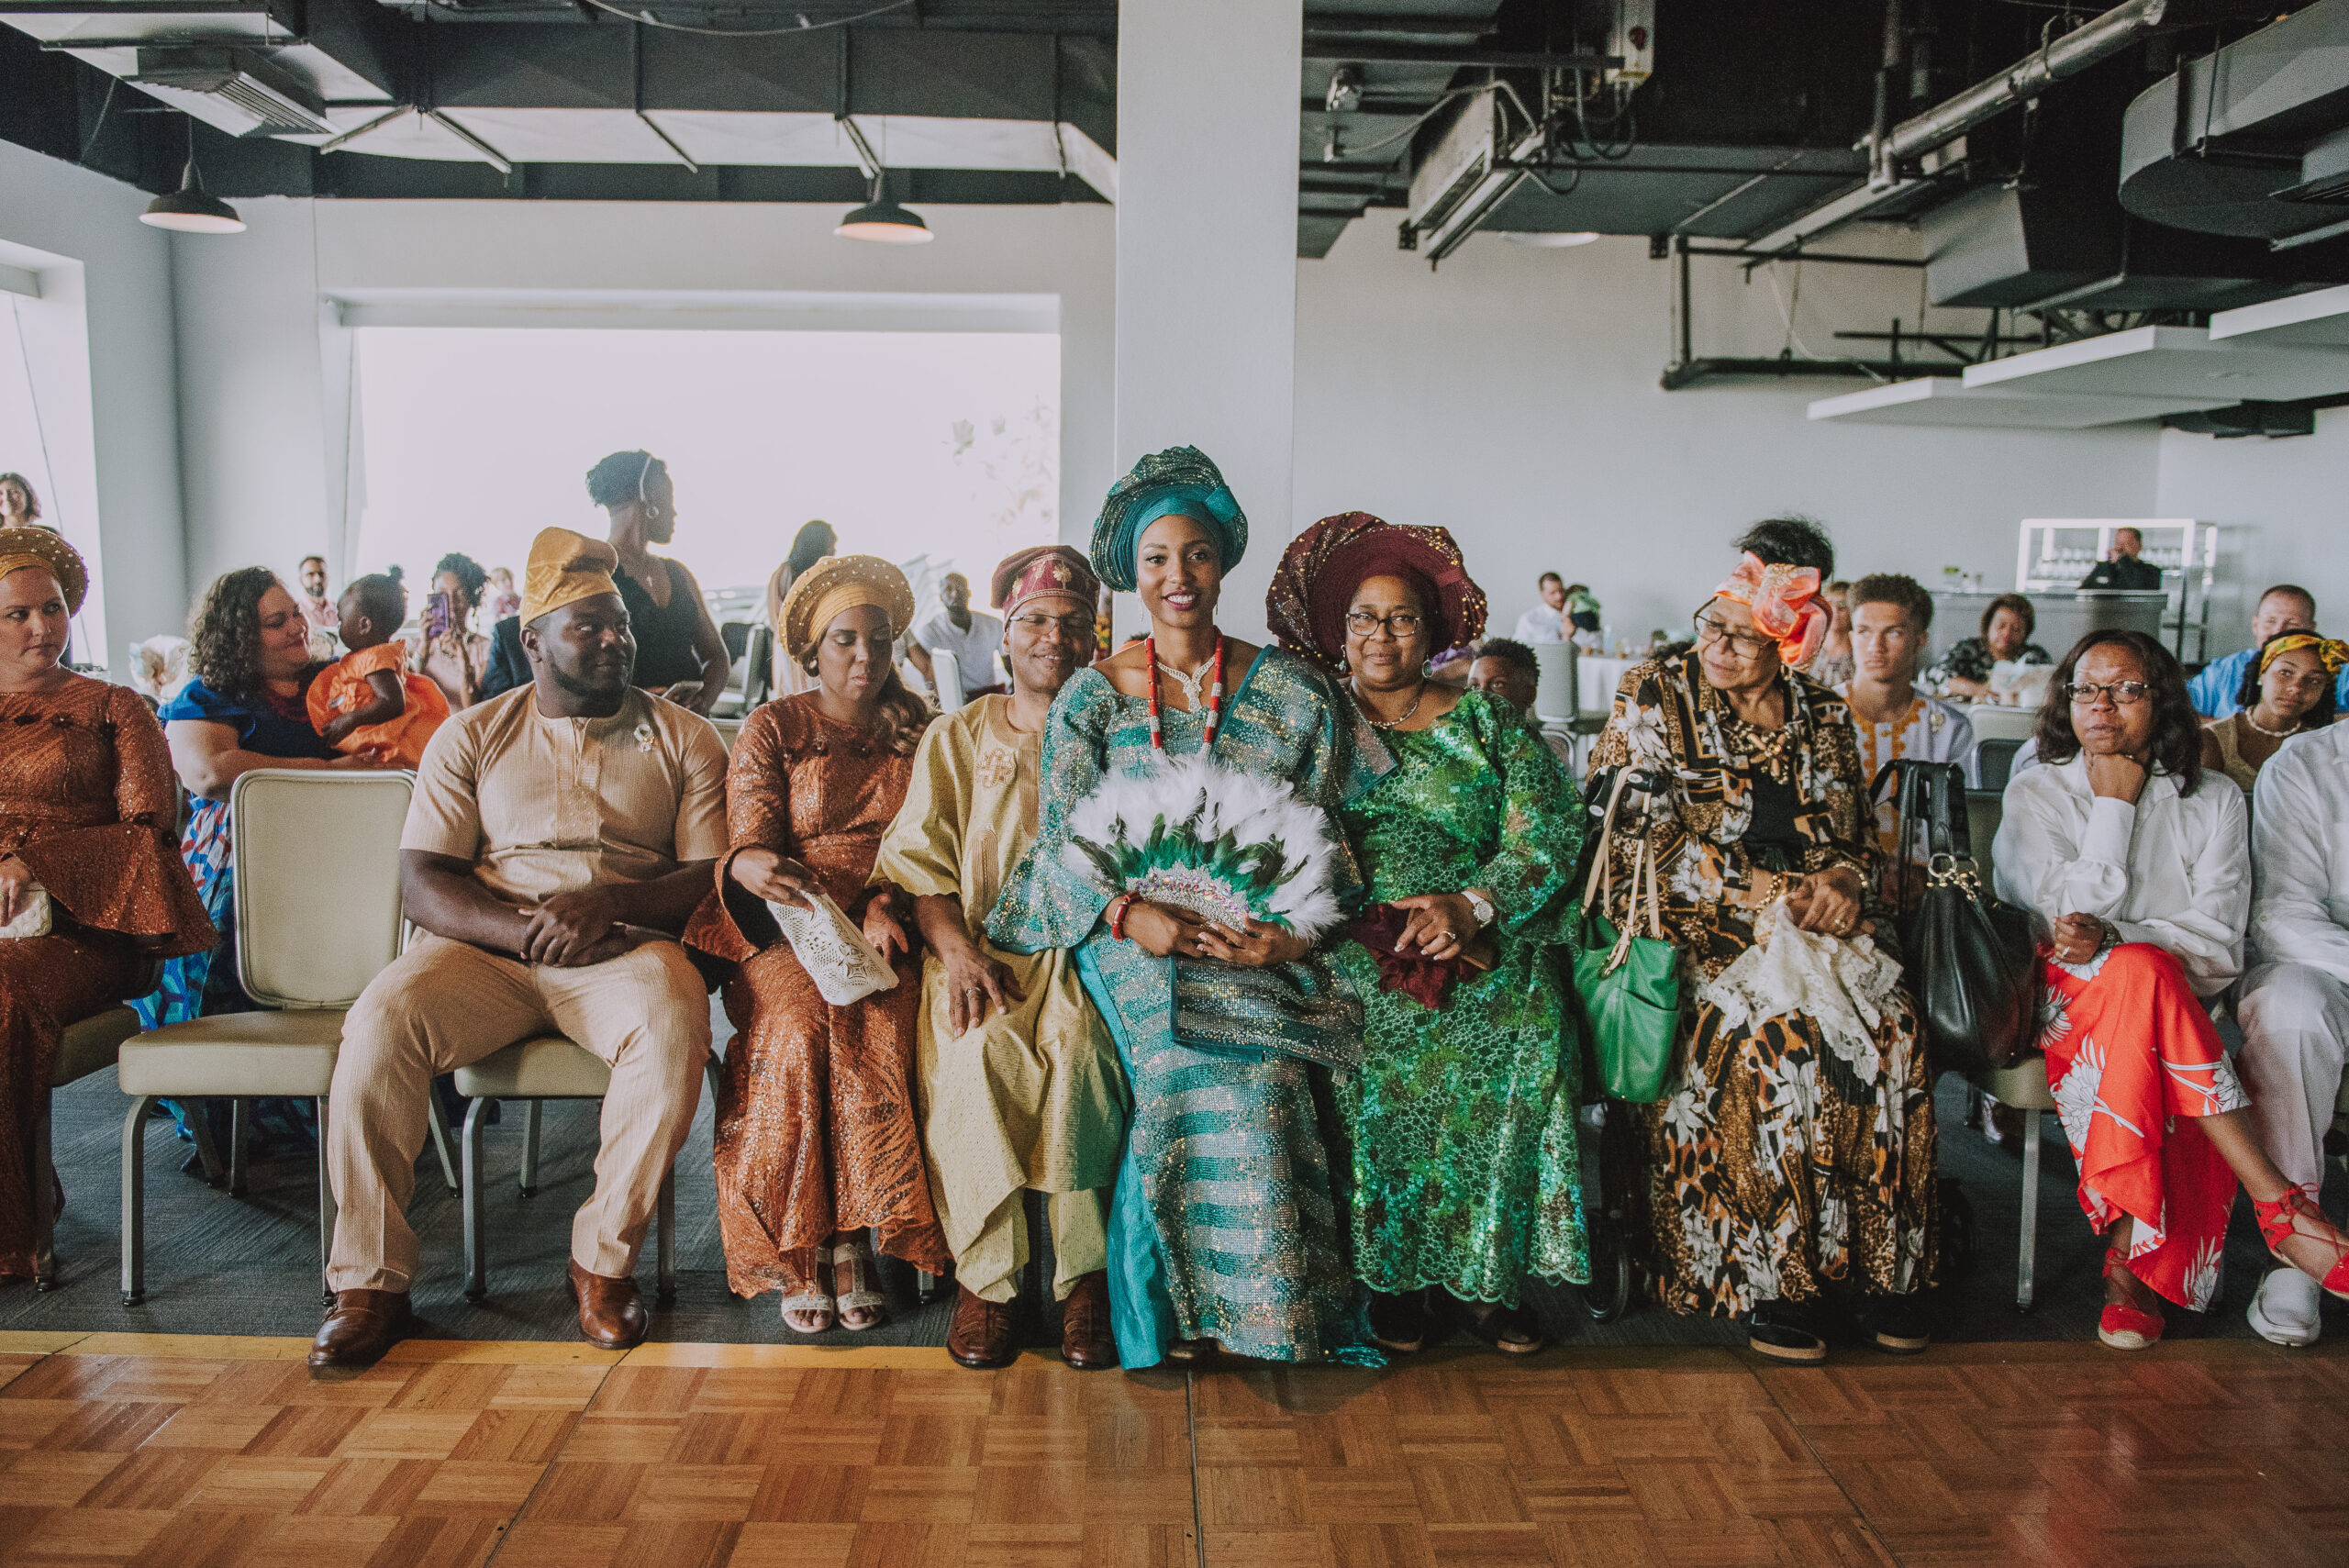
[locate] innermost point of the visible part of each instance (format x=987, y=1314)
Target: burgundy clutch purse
x=1426, y=980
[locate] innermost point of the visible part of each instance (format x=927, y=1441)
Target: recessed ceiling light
x=1546, y=239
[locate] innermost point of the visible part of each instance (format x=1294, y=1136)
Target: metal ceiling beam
x=1321, y=47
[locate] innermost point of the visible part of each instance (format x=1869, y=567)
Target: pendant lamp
x=884, y=221
x=189, y=211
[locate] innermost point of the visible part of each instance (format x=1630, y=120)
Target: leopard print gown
x=1772, y=1170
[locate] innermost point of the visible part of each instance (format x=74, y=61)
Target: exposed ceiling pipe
x=2024, y=80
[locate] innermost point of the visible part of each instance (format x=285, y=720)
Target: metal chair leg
x=240, y=1130
x=134, y=1200
x=530, y=1147
x=2026, y=1266
x=44, y=1202
x=476, y=1220
x=208, y=1150
x=444, y=1144
x=328, y=1212
x=664, y=1245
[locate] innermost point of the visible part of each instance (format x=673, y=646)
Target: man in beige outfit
x=560, y=837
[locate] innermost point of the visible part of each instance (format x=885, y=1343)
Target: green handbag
x=1629, y=984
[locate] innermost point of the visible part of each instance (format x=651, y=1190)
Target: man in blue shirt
x=2285, y=608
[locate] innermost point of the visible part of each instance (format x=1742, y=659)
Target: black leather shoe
x=1785, y=1330
x=1900, y=1324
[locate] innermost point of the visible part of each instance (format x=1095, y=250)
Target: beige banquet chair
x=91, y=1045
x=316, y=901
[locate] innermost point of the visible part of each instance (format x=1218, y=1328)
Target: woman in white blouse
x=2137, y=863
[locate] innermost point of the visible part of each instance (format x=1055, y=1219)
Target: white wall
x=1511, y=396
x=265, y=380
x=117, y=454
x=2280, y=507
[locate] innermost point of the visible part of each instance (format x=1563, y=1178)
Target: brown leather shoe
x=984, y=1333
x=360, y=1327
x=1086, y=1341
x=611, y=1314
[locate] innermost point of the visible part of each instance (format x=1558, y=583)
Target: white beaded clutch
x=844, y=966
x=32, y=916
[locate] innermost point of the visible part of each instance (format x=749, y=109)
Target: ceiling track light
x=189, y=211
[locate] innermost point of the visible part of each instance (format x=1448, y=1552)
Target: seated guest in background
x=1890, y=617
x=1021, y=1090
x=559, y=838
x=90, y=879
x=19, y=507
x=2218, y=689
x=817, y=1136
x=2288, y=689
x=679, y=652
x=317, y=608
x=970, y=635
x=1833, y=666
x=1508, y=669
x=1964, y=671
x=1792, y=1155
x=2295, y=1003
x=1583, y=617
x=501, y=600
x=2124, y=565
x=451, y=655
x=2136, y=862
x=1465, y=1178
x=1547, y=622
x=814, y=541
x=366, y=702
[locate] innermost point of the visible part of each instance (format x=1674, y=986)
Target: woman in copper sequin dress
x=86, y=812
x=818, y=1137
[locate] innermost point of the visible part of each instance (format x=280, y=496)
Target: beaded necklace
x=1215, y=696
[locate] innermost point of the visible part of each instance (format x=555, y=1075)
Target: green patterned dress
x=1461, y=1121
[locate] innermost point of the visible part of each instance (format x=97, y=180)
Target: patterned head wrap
x=22, y=549
x=1047, y=569
x=1785, y=601
x=564, y=568
x=1182, y=479
x=834, y=585
x=1315, y=583
x=2330, y=649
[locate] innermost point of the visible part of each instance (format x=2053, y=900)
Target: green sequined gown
x=1466, y=1166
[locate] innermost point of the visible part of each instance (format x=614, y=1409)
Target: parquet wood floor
x=159, y=1452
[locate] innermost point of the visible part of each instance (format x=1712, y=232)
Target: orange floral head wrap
x=23, y=549
x=2330, y=649
x=1785, y=601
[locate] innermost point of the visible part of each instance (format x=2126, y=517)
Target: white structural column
x=1206, y=256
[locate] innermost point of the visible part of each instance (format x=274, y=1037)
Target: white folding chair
x=946, y=673
x=315, y=858
x=1557, y=700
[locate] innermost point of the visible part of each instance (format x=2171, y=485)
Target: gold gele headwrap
x=21, y=549
x=838, y=584
x=564, y=568
x=2330, y=649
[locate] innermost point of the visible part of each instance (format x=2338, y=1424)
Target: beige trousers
x=444, y=1004
x=989, y=1267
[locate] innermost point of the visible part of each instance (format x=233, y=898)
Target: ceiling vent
x=271, y=98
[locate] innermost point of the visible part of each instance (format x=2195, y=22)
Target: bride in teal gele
x=1225, y=1231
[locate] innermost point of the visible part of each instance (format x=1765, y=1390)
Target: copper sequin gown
x=88, y=802
x=817, y=1125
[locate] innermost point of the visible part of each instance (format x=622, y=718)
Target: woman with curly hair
x=454, y=656
x=2136, y=863
x=246, y=708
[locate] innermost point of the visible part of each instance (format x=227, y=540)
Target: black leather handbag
x=1973, y=961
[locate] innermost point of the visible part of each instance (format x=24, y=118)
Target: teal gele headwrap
x=1182, y=479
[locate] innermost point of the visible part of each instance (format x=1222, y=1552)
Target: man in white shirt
x=970, y=635
x=2295, y=1005
x=1890, y=617
x=1547, y=622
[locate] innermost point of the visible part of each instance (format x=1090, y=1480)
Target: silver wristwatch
x=1479, y=906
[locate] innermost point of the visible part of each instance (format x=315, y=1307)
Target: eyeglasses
x=2124, y=694
x=1075, y=626
x=1745, y=645
x=1401, y=624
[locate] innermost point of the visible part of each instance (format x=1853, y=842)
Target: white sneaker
x=2284, y=1311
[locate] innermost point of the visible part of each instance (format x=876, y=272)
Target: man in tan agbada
x=1020, y=1083
x=560, y=837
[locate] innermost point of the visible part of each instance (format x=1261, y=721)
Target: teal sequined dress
x=1224, y=1225
x=1461, y=1121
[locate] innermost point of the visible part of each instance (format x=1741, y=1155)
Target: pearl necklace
x=2271, y=734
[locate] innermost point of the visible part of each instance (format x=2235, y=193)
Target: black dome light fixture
x=880, y=219
x=190, y=209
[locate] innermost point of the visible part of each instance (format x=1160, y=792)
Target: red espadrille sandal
x=2135, y=1324
x=2282, y=1219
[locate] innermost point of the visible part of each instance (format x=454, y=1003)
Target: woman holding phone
x=451, y=655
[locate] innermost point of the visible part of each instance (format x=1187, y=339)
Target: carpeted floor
x=221, y=1264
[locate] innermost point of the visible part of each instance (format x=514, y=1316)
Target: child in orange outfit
x=368, y=701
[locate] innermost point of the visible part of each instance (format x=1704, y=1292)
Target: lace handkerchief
x=844, y=966
x=1845, y=985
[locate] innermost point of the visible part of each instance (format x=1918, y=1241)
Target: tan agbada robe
x=1032, y=1099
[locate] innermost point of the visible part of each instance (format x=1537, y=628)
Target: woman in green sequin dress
x=1462, y=1119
